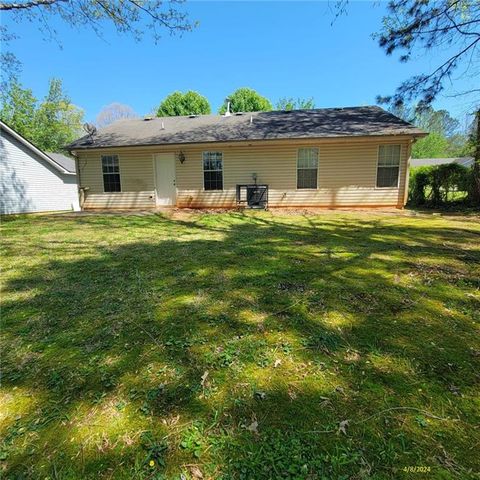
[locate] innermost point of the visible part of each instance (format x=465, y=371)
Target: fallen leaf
x=204, y=378
x=196, y=472
x=253, y=427
x=454, y=389
x=325, y=401
x=342, y=428
x=352, y=356
x=277, y=363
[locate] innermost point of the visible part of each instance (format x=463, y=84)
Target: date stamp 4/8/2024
x=416, y=469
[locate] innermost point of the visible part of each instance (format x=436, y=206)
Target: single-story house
x=424, y=162
x=333, y=157
x=32, y=180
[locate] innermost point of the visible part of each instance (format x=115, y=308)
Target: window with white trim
x=388, y=166
x=307, y=168
x=111, y=173
x=213, y=170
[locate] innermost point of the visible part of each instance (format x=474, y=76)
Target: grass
x=240, y=346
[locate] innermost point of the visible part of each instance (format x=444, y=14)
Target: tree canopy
x=434, y=145
x=50, y=124
x=246, y=100
x=188, y=103
x=444, y=26
x=113, y=112
x=295, y=104
x=451, y=30
x=445, y=138
x=129, y=17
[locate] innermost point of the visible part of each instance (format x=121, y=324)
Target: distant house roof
x=423, y=162
x=295, y=124
x=68, y=163
x=30, y=146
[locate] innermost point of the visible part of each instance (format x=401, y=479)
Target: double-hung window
x=307, y=168
x=213, y=170
x=111, y=173
x=388, y=166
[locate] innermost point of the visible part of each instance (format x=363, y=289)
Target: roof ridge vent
x=147, y=118
x=193, y=115
x=239, y=113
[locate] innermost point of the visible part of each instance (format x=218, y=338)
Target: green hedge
x=440, y=185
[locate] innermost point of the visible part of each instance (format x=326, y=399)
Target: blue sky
x=278, y=48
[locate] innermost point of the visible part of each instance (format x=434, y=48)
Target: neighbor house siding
x=29, y=184
x=346, y=174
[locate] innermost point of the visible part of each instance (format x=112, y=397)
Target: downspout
x=81, y=191
x=407, y=173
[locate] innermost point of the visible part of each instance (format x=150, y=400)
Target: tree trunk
x=476, y=159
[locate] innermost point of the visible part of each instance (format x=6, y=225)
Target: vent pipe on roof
x=163, y=126
x=251, y=119
x=228, y=113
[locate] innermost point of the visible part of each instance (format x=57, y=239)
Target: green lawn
x=240, y=346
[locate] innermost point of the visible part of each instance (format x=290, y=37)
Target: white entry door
x=165, y=179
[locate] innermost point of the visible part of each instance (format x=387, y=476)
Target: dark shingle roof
x=67, y=163
x=296, y=124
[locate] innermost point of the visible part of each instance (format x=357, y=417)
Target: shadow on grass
x=239, y=344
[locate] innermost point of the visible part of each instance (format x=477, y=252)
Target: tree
x=18, y=108
x=129, y=16
x=295, y=104
x=439, y=121
x=51, y=124
x=189, y=103
x=458, y=146
x=443, y=26
x=475, y=146
x=445, y=139
x=113, y=112
x=450, y=29
x=246, y=100
x=58, y=121
x=434, y=145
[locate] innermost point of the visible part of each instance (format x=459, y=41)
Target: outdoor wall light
x=181, y=157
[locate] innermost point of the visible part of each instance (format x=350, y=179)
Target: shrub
x=439, y=184
x=419, y=180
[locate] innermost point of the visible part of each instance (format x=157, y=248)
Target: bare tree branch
x=29, y=4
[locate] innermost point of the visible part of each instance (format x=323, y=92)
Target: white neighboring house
x=424, y=162
x=32, y=180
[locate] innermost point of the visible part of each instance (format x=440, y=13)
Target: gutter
x=72, y=148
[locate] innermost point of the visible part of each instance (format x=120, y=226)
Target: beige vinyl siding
x=136, y=178
x=347, y=171
x=346, y=176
